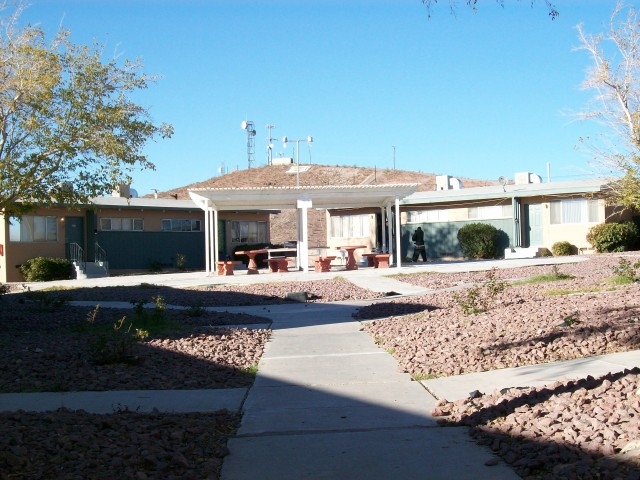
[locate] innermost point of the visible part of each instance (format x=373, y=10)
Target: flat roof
x=281, y=198
x=507, y=191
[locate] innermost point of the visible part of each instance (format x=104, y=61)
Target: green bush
x=562, y=249
x=613, y=237
x=478, y=240
x=41, y=269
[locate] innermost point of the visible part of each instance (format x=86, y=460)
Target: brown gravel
x=569, y=430
x=579, y=429
x=48, y=345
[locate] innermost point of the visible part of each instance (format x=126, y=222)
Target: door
x=73, y=233
x=222, y=240
x=533, y=225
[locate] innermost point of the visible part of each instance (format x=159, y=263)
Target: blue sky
x=473, y=95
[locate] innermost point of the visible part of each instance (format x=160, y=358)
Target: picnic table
x=351, y=259
x=252, y=267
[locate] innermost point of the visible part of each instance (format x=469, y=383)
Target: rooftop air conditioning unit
x=282, y=161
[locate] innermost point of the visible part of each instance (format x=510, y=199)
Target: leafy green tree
x=614, y=76
x=69, y=130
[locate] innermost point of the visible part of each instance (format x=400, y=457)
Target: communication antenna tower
x=251, y=142
x=270, y=144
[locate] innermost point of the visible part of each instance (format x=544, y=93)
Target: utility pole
x=394, y=156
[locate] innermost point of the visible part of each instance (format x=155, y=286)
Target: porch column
x=207, y=239
x=214, y=245
x=389, y=232
x=398, y=236
x=303, y=234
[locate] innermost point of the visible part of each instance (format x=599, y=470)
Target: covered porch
x=385, y=197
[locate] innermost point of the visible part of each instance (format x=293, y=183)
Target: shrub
x=626, y=271
x=562, y=249
x=41, y=269
x=478, y=240
x=613, y=237
x=481, y=298
x=181, y=261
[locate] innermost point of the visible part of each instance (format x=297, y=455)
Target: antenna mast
x=270, y=144
x=251, y=142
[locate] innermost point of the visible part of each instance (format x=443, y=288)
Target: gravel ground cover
x=49, y=345
x=587, y=428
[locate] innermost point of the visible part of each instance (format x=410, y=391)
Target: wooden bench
x=225, y=267
x=382, y=260
x=323, y=264
x=371, y=259
x=278, y=264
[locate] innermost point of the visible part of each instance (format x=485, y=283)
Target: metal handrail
x=101, y=256
x=76, y=255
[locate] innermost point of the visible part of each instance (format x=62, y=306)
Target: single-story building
x=531, y=214
x=120, y=234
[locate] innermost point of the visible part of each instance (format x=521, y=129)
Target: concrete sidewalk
x=328, y=403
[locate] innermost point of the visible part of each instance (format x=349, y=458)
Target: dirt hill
x=283, y=224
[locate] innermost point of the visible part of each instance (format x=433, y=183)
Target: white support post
x=214, y=244
x=398, y=236
x=389, y=232
x=207, y=239
x=303, y=240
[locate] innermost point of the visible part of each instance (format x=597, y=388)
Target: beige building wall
x=16, y=253
x=367, y=240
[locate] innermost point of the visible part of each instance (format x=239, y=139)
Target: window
x=428, y=216
x=490, y=212
x=248, y=232
x=348, y=226
x=31, y=228
x=180, y=225
x=121, y=224
x=574, y=210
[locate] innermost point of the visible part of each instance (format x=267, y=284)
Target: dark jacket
x=418, y=237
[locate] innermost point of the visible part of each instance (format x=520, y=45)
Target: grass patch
x=567, y=291
x=620, y=280
x=57, y=288
x=422, y=376
x=252, y=370
x=544, y=278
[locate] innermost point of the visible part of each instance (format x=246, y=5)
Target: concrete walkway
x=328, y=403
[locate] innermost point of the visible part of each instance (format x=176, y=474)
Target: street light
x=285, y=140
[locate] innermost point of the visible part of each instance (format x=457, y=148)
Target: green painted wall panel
x=139, y=250
x=441, y=238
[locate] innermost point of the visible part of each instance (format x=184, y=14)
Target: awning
x=213, y=200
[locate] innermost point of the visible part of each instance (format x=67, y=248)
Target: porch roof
x=280, y=198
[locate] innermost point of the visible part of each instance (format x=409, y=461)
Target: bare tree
x=615, y=77
x=473, y=4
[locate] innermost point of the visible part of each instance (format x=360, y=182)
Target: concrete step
x=92, y=270
x=522, y=252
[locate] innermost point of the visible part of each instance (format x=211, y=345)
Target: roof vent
x=524, y=178
x=446, y=182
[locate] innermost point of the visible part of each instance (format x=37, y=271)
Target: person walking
x=418, y=245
